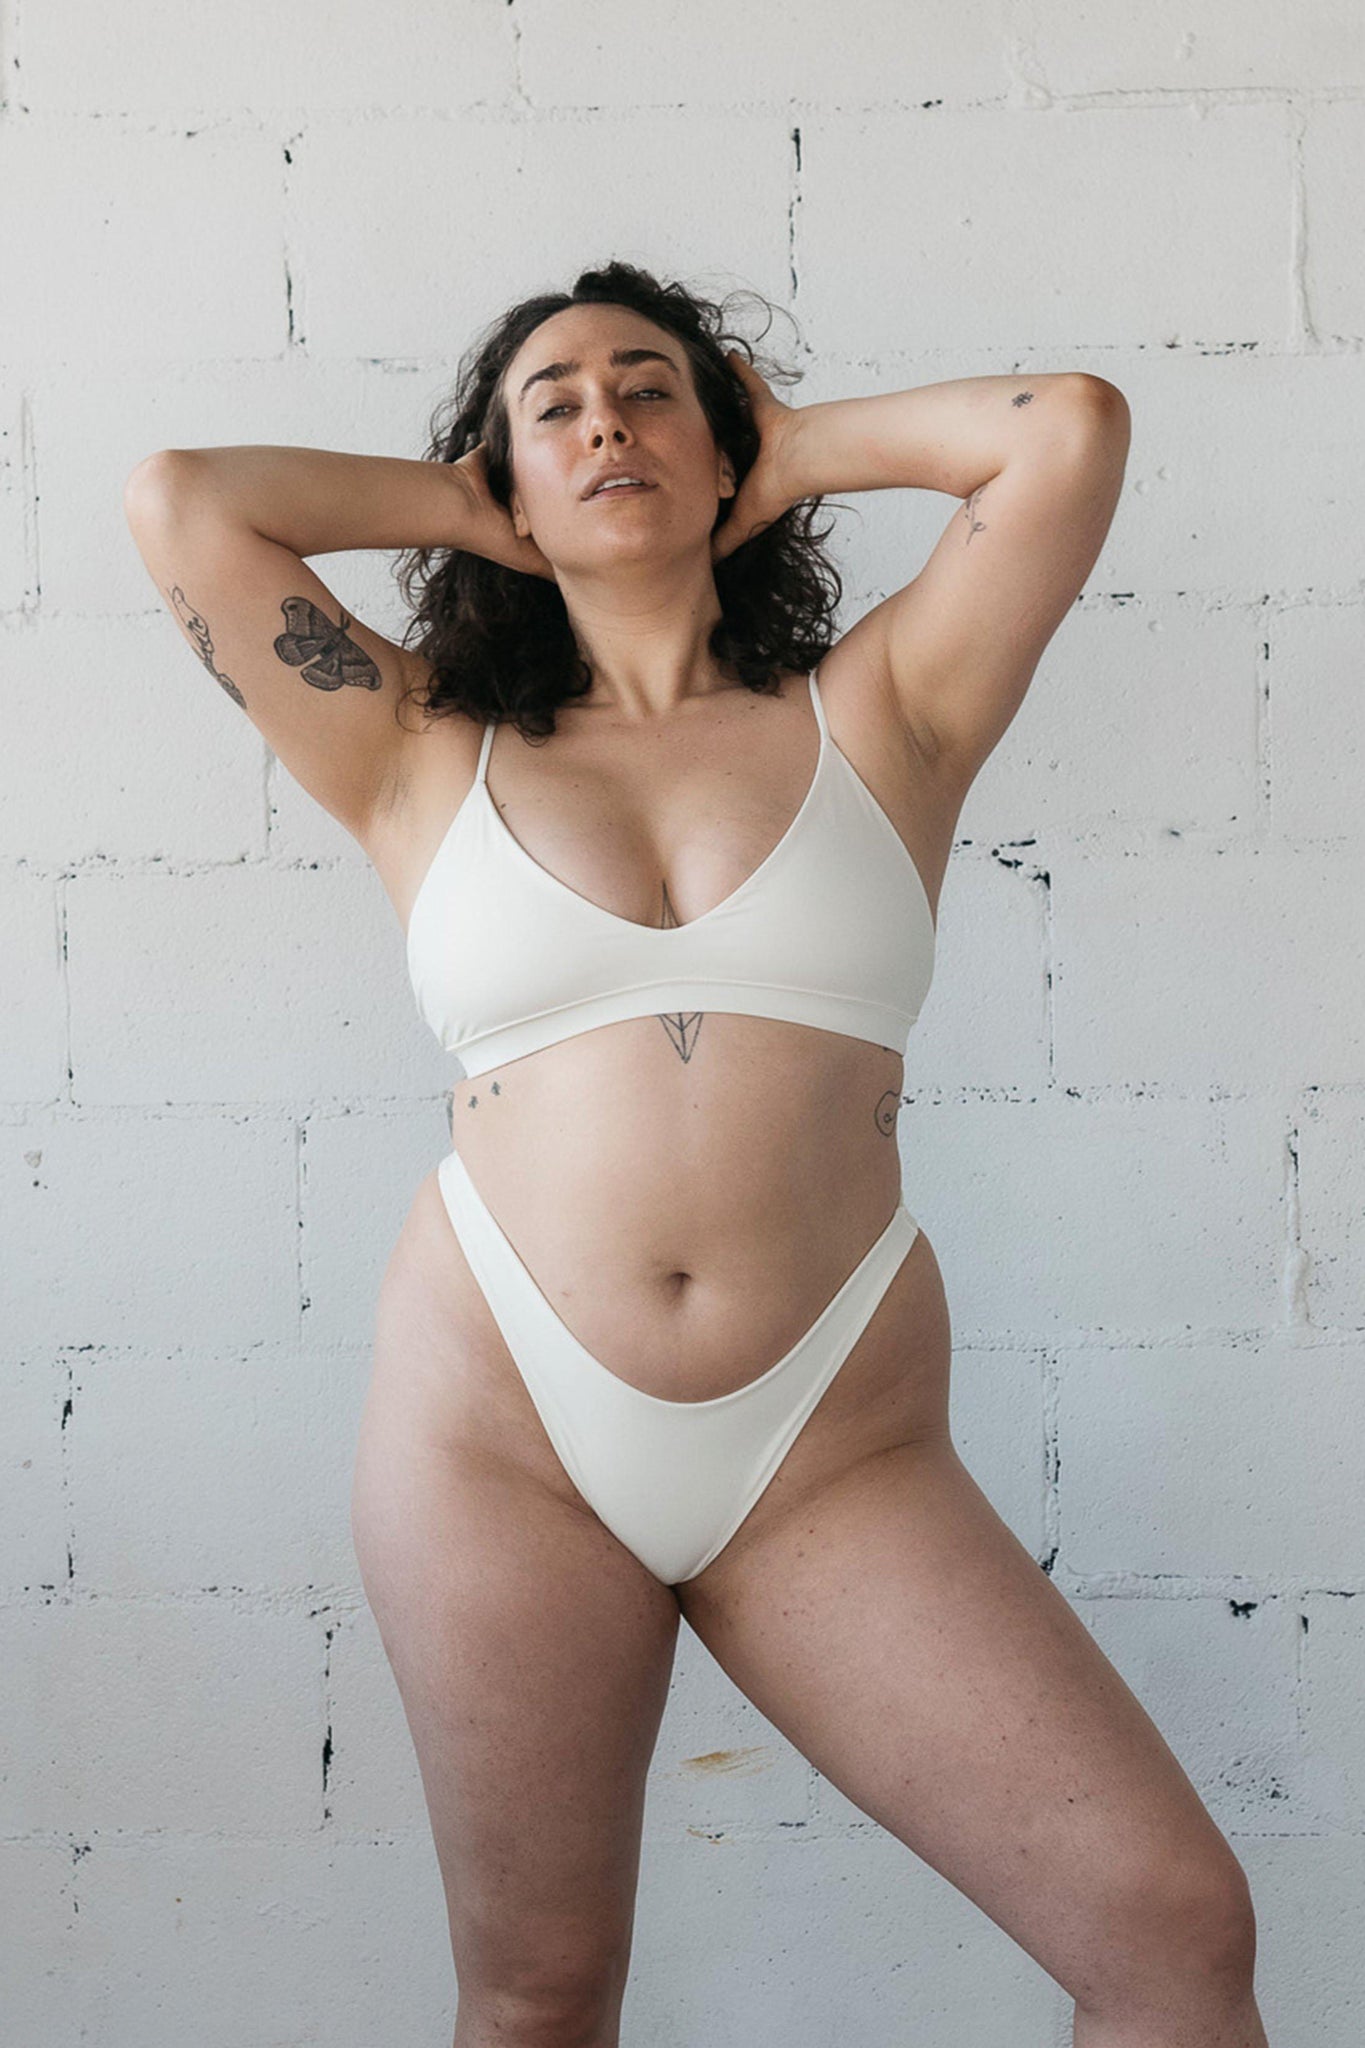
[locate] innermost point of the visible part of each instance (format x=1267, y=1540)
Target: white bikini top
x=832, y=929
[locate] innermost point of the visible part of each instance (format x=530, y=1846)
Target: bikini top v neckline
x=726, y=902
x=479, y=792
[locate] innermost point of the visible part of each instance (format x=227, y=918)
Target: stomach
x=688, y=1219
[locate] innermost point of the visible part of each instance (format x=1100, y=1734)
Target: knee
x=1197, y=1920
x=560, y=2018
x=1171, y=1935
x=1221, y=1918
x=548, y=2002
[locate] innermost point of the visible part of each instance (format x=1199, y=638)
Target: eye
x=651, y=391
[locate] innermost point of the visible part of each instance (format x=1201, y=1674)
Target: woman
x=658, y=1336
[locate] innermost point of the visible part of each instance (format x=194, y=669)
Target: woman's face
x=640, y=415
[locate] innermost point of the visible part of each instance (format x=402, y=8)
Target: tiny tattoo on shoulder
x=682, y=1029
x=1022, y=398
x=202, y=642
x=325, y=653
x=974, y=525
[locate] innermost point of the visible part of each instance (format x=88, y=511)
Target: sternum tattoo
x=682, y=1027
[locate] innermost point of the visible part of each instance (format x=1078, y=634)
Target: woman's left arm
x=1038, y=462
x=936, y=437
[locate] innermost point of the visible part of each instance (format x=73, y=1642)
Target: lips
x=619, y=491
x=606, y=476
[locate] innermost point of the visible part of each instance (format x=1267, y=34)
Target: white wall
x=1139, y=1084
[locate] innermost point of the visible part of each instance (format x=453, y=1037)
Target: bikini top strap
x=485, y=750
x=819, y=707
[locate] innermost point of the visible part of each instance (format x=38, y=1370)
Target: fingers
x=744, y=371
x=756, y=388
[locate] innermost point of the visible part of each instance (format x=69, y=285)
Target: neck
x=646, y=642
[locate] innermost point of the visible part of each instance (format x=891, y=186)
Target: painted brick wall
x=1138, y=1090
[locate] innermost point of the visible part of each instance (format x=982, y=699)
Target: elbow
x=1105, y=426
x=1104, y=400
x=154, y=483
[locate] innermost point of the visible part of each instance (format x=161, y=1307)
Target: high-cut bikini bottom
x=672, y=1480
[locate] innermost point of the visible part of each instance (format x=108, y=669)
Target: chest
x=656, y=834
x=659, y=830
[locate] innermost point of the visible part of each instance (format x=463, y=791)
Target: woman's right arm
x=224, y=532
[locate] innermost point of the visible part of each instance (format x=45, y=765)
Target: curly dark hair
x=499, y=643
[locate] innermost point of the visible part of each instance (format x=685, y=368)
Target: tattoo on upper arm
x=975, y=525
x=682, y=1028
x=325, y=653
x=202, y=642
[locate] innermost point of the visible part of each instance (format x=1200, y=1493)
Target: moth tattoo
x=325, y=653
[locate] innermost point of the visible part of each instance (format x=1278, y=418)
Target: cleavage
x=582, y=834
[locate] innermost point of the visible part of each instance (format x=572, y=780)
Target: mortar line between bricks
x=1028, y=80
x=1296, y=1260
x=1264, y=740
x=514, y=108
x=890, y=360
x=345, y=1603
x=301, y=1603
x=300, y=1307
x=1050, y=1390
x=294, y=343
x=67, y=1092
x=1303, y=327
x=68, y=1504
x=31, y=604
x=793, y=214
x=16, y=51
x=1260, y=1589
x=1044, y=875
x=520, y=95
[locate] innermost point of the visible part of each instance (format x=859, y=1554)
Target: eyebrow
x=554, y=371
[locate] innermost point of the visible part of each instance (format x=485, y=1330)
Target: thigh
x=531, y=1650
x=903, y=1639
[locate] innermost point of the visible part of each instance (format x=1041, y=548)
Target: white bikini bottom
x=672, y=1480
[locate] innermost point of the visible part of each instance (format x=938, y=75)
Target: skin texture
x=689, y=1192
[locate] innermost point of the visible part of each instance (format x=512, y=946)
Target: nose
x=603, y=418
